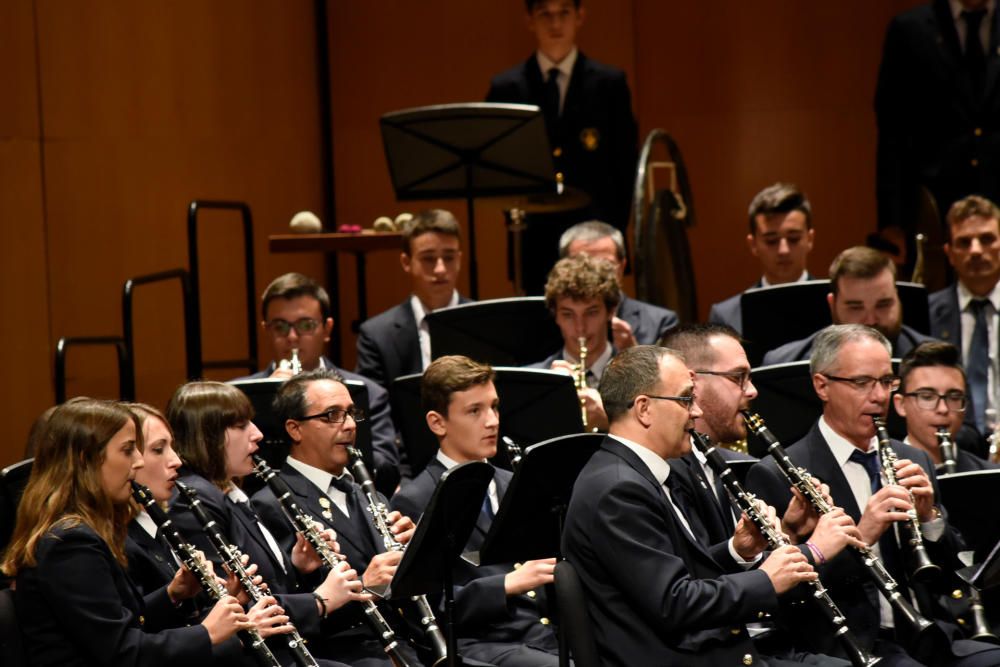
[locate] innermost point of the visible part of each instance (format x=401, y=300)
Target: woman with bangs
x=162, y=580
x=216, y=440
x=76, y=605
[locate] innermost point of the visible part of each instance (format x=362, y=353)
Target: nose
x=137, y=461
x=869, y=318
x=695, y=410
x=350, y=423
x=750, y=390
x=975, y=247
x=492, y=419
x=783, y=248
x=439, y=266
x=255, y=434
x=941, y=408
x=173, y=461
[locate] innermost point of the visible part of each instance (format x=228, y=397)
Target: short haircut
x=590, y=231
x=531, y=4
x=829, y=341
x=929, y=354
x=582, y=278
x=292, y=286
x=859, y=262
x=778, y=198
x=691, y=340
x=633, y=371
x=199, y=413
x=432, y=220
x=290, y=401
x=969, y=207
x=449, y=374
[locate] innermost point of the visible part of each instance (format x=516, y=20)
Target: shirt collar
x=764, y=282
x=597, y=368
x=419, y=312
x=965, y=296
x=839, y=445
x=320, y=478
x=565, y=66
x=957, y=9
x=447, y=461
x=147, y=523
x=658, y=466
x=236, y=494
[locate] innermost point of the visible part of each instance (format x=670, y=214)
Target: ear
x=437, y=423
x=820, y=386
x=327, y=329
x=829, y=301
x=642, y=412
x=897, y=400
x=404, y=261
x=810, y=237
x=294, y=430
x=750, y=245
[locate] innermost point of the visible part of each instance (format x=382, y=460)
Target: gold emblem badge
x=327, y=515
x=590, y=138
x=324, y=502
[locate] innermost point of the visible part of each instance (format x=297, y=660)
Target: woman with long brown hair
x=75, y=603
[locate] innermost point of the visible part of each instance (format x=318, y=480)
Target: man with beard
x=862, y=291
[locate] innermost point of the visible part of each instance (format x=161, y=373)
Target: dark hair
x=971, y=206
x=633, y=371
x=691, y=340
x=290, y=401
x=930, y=353
x=292, y=286
x=432, y=220
x=859, y=262
x=779, y=198
x=199, y=414
x=447, y=375
x=531, y=4
x=583, y=277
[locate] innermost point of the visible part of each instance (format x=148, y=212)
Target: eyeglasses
x=685, y=401
x=303, y=326
x=739, y=378
x=336, y=416
x=865, y=383
x=928, y=399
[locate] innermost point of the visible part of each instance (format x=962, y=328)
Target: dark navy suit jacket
x=799, y=350
x=648, y=322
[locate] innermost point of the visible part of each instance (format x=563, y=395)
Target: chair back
x=572, y=601
x=11, y=646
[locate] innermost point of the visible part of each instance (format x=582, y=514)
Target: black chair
x=572, y=601
x=11, y=646
x=13, y=479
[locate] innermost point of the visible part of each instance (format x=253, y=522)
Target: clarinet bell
x=922, y=569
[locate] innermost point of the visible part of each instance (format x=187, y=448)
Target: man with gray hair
x=852, y=375
x=781, y=237
x=635, y=322
x=657, y=595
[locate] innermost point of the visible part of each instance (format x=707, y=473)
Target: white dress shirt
x=237, y=496
x=323, y=481
x=962, y=29
x=423, y=330
x=565, y=67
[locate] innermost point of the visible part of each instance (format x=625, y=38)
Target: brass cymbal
x=548, y=202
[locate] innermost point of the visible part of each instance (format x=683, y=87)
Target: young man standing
x=497, y=605
x=397, y=342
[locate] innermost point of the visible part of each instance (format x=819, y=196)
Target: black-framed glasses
x=928, y=399
x=336, y=415
x=685, y=401
x=866, y=383
x=739, y=378
x=303, y=326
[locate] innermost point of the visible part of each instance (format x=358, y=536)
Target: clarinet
x=948, y=454
x=380, y=513
x=744, y=501
x=921, y=566
x=230, y=556
x=185, y=553
x=306, y=526
x=925, y=638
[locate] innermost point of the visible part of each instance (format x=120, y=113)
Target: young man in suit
x=781, y=238
x=852, y=375
x=498, y=617
x=655, y=593
x=588, y=119
x=319, y=417
x=397, y=342
x=862, y=291
x=932, y=397
x=296, y=312
x=635, y=322
x=583, y=292
x=965, y=313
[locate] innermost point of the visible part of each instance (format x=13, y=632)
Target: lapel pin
x=324, y=502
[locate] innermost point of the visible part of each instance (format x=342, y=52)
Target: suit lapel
x=406, y=339
x=153, y=550
x=818, y=459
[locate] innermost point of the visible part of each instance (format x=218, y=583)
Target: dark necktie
x=975, y=57
x=870, y=462
x=887, y=543
x=357, y=512
x=552, y=94
x=487, y=508
x=977, y=362
x=680, y=495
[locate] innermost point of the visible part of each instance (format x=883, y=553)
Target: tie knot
x=341, y=484
x=979, y=305
x=864, y=458
x=553, y=75
x=973, y=17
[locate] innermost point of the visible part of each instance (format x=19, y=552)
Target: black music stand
x=789, y=404
x=962, y=493
x=441, y=534
x=535, y=404
x=465, y=151
x=804, y=311
x=528, y=525
x=275, y=446
x=501, y=332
